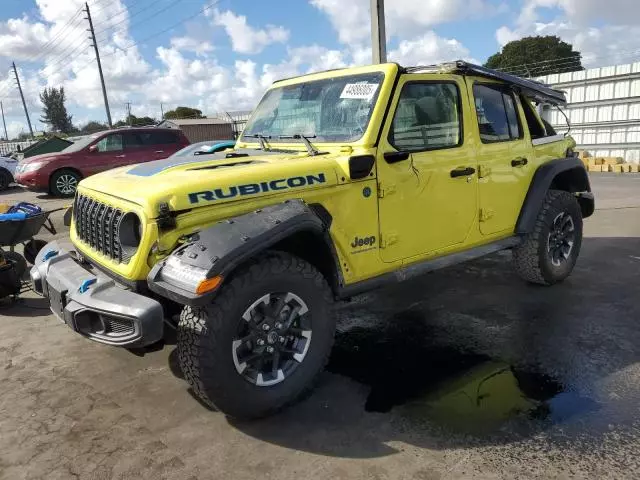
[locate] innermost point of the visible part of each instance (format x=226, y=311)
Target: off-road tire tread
x=526, y=258
x=199, y=326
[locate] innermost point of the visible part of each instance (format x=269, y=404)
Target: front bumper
x=93, y=304
x=31, y=181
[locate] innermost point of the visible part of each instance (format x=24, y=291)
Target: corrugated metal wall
x=604, y=109
x=205, y=132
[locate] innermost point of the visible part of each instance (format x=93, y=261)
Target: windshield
x=80, y=144
x=336, y=109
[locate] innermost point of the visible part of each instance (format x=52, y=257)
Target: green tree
x=184, y=112
x=93, y=127
x=536, y=56
x=135, y=121
x=54, y=112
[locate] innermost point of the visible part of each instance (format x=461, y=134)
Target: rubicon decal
x=255, y=188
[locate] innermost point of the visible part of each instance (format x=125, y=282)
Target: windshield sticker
x=363, y=91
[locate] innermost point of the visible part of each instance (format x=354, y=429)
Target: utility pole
x=24, y=104
x=378, y=34
x=161, y=112
x=128, y=106
x=6, y=136
x=95, y=46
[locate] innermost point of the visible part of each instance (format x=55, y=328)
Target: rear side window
x=132, y=140
x=160, y=138
x=497, y=114
x=427, y=117
x=535, y=128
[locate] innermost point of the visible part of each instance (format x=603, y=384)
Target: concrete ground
x=465, y=373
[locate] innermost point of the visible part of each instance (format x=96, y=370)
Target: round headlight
x=130, y=233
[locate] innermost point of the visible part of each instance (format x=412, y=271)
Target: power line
x=144, y=20
x=49, y=44
x=186, y=19
x=131, y=15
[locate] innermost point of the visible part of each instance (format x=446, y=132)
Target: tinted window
x=110, y=143
x=497, y=114
x=535, y=128
x=162, y=138
x=132, y=140
x=427, y=117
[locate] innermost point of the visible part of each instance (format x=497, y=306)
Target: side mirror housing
x=93, y=148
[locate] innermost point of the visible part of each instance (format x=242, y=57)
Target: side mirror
x=93, y=148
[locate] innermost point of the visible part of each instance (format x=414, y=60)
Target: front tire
x=5, y=179
x=64, y=183
x=263, y=341
x=548, y=253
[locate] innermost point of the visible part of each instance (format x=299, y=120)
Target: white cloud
x=190, y=44
x=403, y=17
x=244, y=38
x=428, y=49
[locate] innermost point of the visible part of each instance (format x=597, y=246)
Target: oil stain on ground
x=449, y=386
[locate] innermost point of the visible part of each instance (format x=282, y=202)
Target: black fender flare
x=567, y=174
x=221, y=248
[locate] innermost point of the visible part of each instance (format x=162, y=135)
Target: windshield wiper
x=305, y=139
x=262, y=139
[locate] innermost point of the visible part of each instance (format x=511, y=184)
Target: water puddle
x=445, y=385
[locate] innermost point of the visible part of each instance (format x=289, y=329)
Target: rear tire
x=64, y=183
x=252, y=368
x=32, y=248
x=548, y=253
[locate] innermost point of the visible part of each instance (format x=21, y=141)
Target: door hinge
x=483, y=171
x=388, y=239
x=385, y=190
x=486, y=214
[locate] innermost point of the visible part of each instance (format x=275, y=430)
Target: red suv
x=59, y=173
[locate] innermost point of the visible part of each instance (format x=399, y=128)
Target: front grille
x=118, y=326
x=97, y=226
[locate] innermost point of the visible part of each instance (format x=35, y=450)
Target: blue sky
x=224, y=58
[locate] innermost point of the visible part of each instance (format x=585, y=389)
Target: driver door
x=428, y=186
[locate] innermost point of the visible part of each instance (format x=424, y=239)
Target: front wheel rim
x=561, y=240
x=273, y=339
x=66, y=184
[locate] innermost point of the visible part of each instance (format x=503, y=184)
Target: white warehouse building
x=603, y=109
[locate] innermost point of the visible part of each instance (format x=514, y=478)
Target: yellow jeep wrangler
x=342, y=181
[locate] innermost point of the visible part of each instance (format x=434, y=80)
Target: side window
x=132, y=140
x=110, y=143
x=497, y=114
x=535, y=128
x=160, y=138
x=427, y=117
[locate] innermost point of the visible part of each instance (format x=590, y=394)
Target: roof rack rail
x=531, y=88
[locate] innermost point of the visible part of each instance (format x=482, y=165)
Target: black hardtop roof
x=531, y=88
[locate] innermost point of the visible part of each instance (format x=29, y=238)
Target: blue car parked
x=205, y=148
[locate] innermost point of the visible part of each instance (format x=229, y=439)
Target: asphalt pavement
x=464, y=373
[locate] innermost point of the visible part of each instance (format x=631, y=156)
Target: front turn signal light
x=208, y=285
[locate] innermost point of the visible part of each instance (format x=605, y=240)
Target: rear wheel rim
x=561, y=240
x=273, y=339
x=67, y=183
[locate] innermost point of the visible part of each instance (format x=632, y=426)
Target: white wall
x=604, y=109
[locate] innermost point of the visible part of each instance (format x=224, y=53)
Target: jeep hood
x=191, y=182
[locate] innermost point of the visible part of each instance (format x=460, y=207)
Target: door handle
x=120, y=156
x=462, y=172
x=395, y=157
x=159, y=151
x=519, y=162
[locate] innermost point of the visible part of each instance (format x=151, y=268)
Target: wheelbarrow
x=22, y=232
